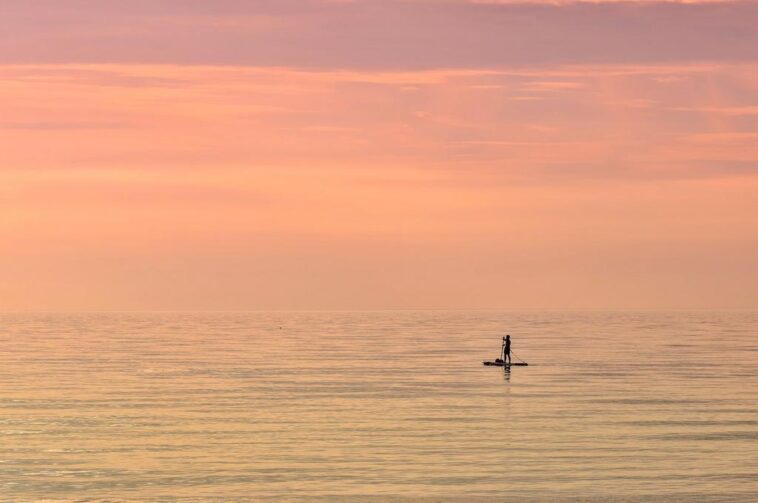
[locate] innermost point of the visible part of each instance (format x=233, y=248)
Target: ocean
x=379, y=406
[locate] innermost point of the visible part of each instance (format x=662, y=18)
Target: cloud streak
x=609, y=120
x=376, y=35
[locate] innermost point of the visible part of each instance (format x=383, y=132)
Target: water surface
x=378, y=406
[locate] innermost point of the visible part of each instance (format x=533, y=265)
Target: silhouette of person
x=507, y=350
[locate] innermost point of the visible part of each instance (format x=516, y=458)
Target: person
x=507, y=350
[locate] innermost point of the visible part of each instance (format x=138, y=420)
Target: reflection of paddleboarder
x=507, y=350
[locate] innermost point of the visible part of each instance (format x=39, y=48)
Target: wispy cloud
x=611, y=121
x=388, y=34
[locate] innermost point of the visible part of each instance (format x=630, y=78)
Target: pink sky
x=285, y=154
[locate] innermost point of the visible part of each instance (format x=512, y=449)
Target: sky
x=378, y=154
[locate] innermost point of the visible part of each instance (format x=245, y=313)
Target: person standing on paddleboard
x=507, y=350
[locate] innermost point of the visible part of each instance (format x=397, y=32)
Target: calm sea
x=375, y=406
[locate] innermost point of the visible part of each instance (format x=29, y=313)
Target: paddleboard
x=501, y=364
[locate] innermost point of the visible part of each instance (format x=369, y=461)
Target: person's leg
x=507, y=357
